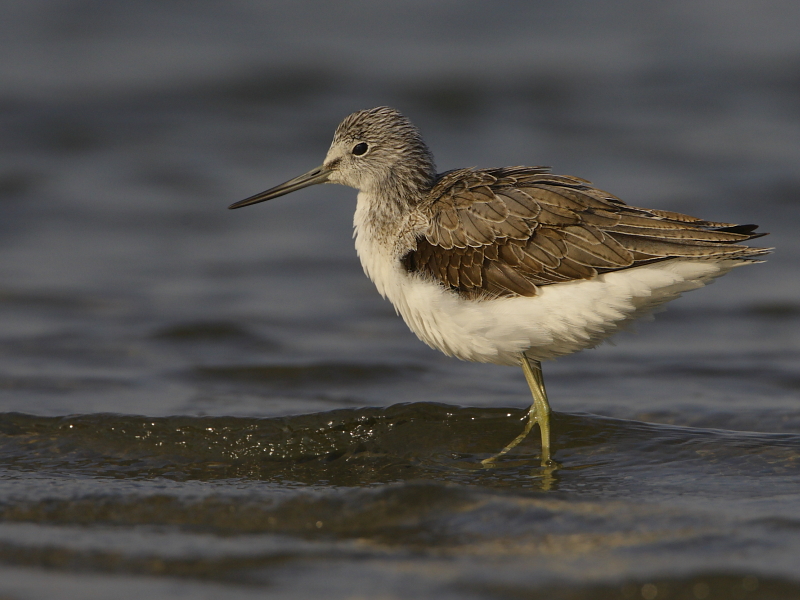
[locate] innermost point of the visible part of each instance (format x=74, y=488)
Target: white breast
x=561, y=319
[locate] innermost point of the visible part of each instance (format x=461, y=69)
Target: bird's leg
x=539, y=412
x=540, y=406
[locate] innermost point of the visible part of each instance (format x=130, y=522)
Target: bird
x=511, y=265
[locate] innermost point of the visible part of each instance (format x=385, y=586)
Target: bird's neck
x=379, y=216
x=384, y=206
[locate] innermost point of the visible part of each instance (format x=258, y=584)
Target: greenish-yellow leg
x=539, y=412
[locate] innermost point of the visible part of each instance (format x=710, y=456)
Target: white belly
x=561, y=319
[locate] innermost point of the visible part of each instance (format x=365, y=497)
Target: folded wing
x=504, y=232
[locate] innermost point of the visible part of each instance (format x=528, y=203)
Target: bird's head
x=377, y=151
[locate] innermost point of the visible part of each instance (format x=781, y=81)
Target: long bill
x=313, y=177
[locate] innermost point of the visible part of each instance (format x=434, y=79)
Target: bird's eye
x=360, y=148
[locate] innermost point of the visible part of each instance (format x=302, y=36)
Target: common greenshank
x=511, y=265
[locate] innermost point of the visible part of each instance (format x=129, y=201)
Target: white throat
x=377, y=239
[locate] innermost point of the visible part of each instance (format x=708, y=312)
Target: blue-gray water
x=202, y=403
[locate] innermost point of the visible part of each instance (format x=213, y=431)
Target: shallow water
x=203, y=403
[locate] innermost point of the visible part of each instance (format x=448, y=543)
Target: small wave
x=356, y=447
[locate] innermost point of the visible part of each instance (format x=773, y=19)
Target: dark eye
x=360, y=149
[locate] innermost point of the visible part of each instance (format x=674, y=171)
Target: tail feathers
x=650, y=240
x=748, y=230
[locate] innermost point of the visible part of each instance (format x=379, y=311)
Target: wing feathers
x=503, y=232
x=519, y=203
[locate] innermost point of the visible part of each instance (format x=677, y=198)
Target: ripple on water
x=356, y=447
